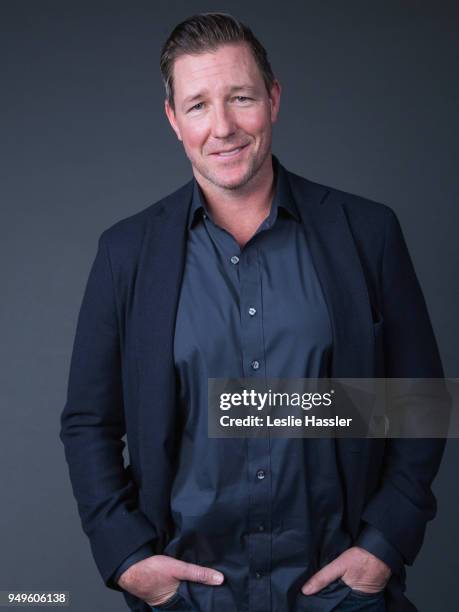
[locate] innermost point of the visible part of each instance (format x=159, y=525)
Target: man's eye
x=242, y=98
x=197, y=106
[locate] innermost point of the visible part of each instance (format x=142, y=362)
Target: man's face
x=224, y=114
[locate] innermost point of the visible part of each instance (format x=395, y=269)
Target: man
x=246, y=271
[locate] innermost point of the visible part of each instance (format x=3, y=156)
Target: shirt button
x=234, y=259
x=258, y=575
x=252, y=311
x=261, y=528
x=204, y=216
x=261, y=474
x=255, y=365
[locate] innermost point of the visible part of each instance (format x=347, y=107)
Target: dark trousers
x=355, y=601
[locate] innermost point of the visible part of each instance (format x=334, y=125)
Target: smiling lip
x=229, y=152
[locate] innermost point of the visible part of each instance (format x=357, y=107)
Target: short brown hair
x=206, y=32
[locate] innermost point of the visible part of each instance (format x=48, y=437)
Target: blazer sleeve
x=92, y=428
x=404, y=502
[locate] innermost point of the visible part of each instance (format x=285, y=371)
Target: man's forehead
x=229, y=62
x=228, y=52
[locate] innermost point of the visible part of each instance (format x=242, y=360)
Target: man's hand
x=358, y=568
x=156, y=579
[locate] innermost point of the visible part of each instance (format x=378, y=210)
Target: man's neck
x=241, y=211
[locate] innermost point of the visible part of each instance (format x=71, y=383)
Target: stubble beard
x=254, y=165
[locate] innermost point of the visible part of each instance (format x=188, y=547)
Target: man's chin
x=230, y=180
x=230, y=185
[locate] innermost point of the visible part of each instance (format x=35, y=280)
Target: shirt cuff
x=372, y=540
x=145, y=551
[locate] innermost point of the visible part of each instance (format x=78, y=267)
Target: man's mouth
x=229, y=152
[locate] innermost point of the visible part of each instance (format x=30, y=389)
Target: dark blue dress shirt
x=266, y=512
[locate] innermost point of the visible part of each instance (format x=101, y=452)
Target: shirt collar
x=283, y=198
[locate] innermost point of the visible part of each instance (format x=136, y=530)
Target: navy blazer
x=122, y=378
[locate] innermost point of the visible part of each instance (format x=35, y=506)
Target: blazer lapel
x=159, y=279
x=342, y=279
x=341, y=276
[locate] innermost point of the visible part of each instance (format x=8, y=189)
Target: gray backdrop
x=370, y=99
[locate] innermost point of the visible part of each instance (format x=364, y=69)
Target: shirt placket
x=258, y=448
x=245, y=270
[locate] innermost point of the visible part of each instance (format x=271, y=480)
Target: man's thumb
x=198, y=573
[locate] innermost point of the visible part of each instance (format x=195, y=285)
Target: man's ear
x=274, y=100
x=171, y=117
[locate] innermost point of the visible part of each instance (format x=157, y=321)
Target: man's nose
x=223, y=124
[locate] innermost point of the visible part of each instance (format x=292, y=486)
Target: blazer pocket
x=378, y=334
x=375, y=314
x=362, y=594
